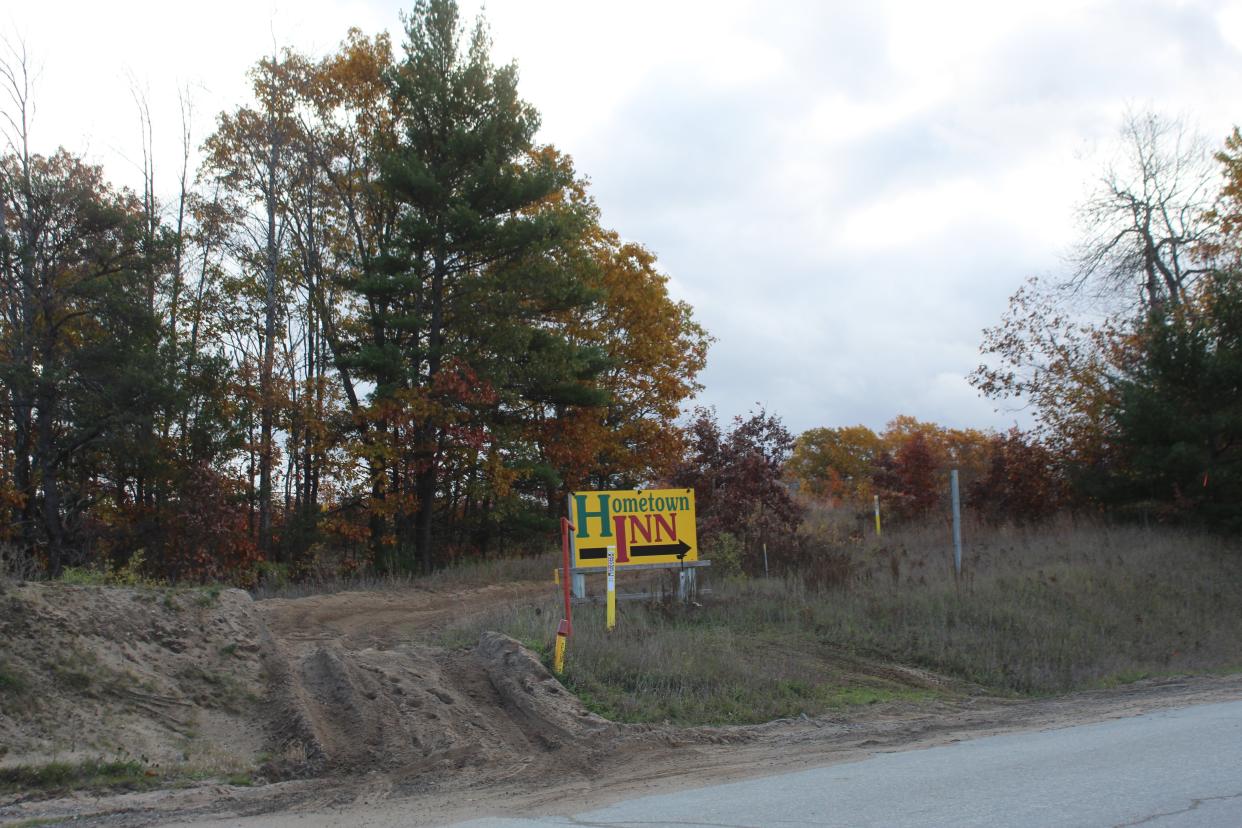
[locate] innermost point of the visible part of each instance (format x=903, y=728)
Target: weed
x=532, y=624
x=214, y=688
x=461, y=575
x=1048, y=610
x=72, y=679
x=1124, y=677
x=57, y=776
x=273, y=576
x=84, y=576
x=209, y=595
x=11, y=681
x=858, y=696
x=725, y=555
x=17, y=564
x=78, y=669
x=130, y=574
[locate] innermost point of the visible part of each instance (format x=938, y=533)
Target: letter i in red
x=618, y=523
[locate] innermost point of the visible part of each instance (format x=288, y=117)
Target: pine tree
x=458, y=316
x=1179, y=415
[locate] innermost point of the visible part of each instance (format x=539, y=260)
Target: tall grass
x=462, y=575
x=1045, y=610
x=61, y=776
x=690, y=666
x=1037, y=611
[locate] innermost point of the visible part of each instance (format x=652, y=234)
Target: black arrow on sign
x=600, y=553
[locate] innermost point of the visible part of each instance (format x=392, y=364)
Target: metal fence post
x=578, y=582
x=957, y=525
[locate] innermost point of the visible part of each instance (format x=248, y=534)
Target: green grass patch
x=728, y=663
x=465, y=574
x=209, y=595
x=11, y=681
x=1123, y=678
x=55, y=778
x=214, y=687
x=130, y=574
x=716, y=665
x=61, y=776
x=859, y=696
x=83, y=576
x=71, y=679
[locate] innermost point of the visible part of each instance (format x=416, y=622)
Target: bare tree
x=17, y=269
x=247, y=155
x=1147, y=216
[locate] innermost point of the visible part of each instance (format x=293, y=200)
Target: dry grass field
x=1037, y=611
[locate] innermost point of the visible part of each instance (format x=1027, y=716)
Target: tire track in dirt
x=358, y=689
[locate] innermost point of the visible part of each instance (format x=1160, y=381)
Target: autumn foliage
x=736, y=477
x=906, y=465
x=381, y=327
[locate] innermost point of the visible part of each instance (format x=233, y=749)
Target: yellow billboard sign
x=648, y=526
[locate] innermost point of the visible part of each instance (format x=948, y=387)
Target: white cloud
x=846, y=192
x=1229, y=18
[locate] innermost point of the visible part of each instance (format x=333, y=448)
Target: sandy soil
x=364, y=721
x=169, y=679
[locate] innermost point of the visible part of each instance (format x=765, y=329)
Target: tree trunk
x=50, y=483
x=425, y=482
x=23, y=512
x=269, y=354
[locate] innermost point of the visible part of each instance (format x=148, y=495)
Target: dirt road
x=368, y=721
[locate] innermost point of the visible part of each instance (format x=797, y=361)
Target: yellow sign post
x=611, y=619
x=558, y=652
x=654, y=526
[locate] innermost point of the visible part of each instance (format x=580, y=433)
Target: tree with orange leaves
x=836, y=463
x=654, y=351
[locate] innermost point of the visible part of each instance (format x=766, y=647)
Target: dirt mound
x=373, y=709
x=171, y=679
x=207, y=683
x=533, y=695
x=420, y=711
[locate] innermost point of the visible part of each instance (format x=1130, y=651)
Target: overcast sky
x=846, y=192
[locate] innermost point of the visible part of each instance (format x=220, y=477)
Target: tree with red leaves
x=737, y=484
x=1023, y=484
x=907, y=480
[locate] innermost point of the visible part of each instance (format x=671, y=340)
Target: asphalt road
x=1171, y=768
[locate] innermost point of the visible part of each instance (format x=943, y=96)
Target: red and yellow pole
x=566, y=528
